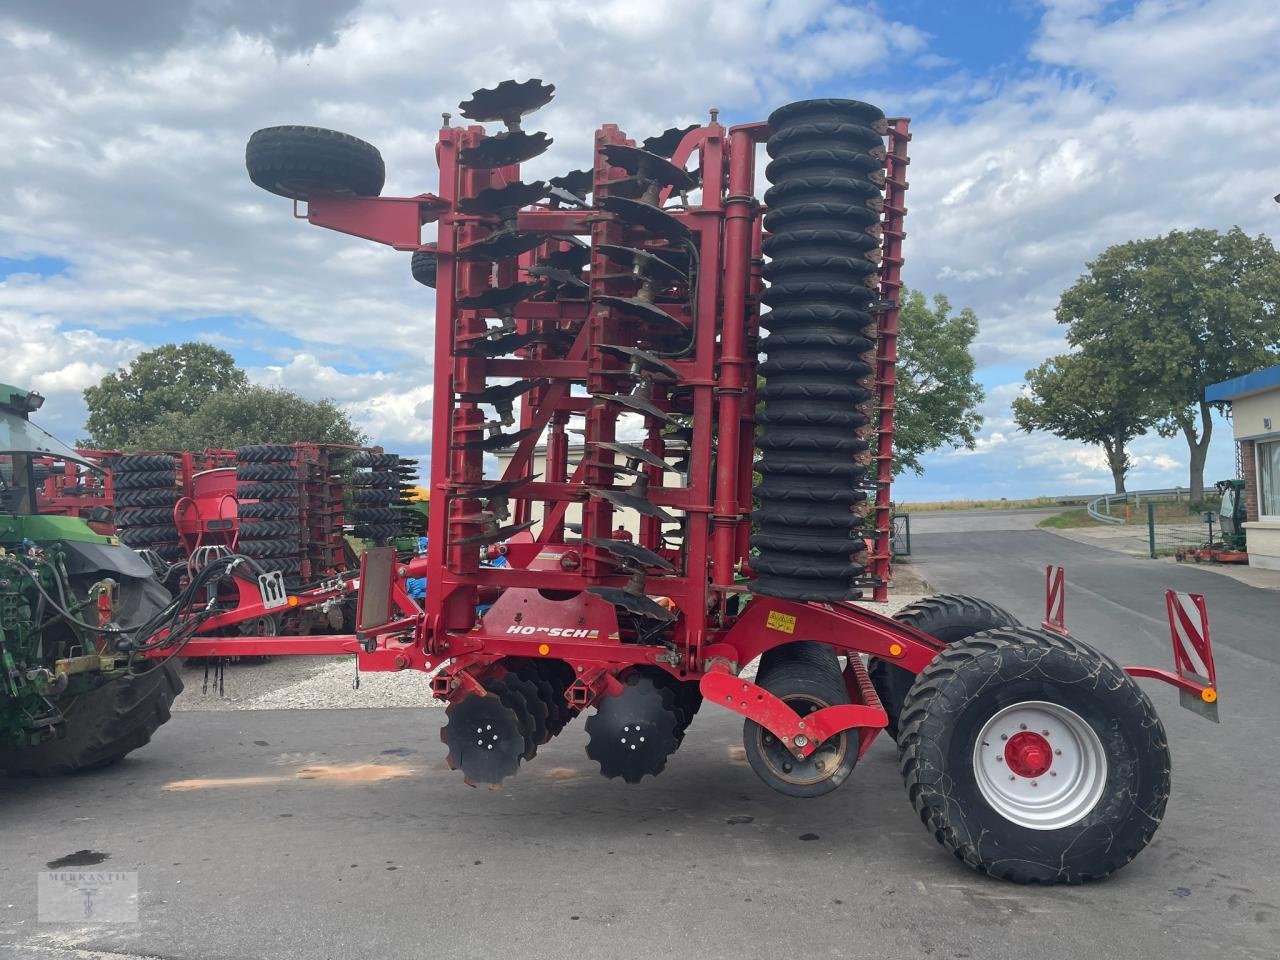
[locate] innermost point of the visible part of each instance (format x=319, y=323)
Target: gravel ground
x=302, y=683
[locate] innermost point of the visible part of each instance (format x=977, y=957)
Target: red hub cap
x=1028, y=754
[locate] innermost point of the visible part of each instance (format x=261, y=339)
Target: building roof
x=1267, y=378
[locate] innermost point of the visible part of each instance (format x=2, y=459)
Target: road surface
x=338, y=833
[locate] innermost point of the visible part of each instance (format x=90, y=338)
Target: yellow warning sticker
x=784, y=622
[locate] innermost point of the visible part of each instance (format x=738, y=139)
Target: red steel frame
x=540, y=604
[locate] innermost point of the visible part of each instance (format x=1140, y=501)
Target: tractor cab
x=21, y=444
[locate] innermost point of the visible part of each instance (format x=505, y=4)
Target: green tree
x=253, y=414
x=936, y=395
x=1080, y=396
x=1177, y=313
x=172, y=379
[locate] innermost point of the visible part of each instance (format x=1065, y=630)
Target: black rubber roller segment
x=838, y=241
x=824, y=268
x=849, y=315
x=828, y=110
x=769, y=540
x=825, y=162
x=810, y=467
x=795, y=588
x=815, y=214
x=854, y=191
x=821, y=366
x=789, y=488
x=852, y=339
x=806, y=566
x=803, y=413
x=812, y=439
x=832, y=519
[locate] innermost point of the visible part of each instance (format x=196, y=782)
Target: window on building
x=1269, y=479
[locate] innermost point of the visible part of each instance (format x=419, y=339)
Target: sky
x=1042, y=133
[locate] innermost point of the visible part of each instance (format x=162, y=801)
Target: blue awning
x=1256, y=382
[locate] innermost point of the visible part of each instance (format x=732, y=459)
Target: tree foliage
x=193, y=396
x=1083, y=396
x=936, y=395
x=1177, y=313
x=175, y=379
x=254, y=414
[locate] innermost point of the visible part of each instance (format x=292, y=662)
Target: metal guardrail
x=1103, y=514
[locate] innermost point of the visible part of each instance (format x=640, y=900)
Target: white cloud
x=124, y=155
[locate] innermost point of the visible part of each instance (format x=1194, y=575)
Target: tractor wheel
x=806, y=676
x=103, y=725
x=301, y=162
x=109, y=721
x=947, y=618
x=1034, y=758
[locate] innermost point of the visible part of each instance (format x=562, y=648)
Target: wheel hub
x=1040, y=765
x=1028, y=754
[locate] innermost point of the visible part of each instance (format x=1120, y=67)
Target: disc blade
x=577, y=182
x=648, y=166
x=649, y=217
x=649, y=264
x=499, y=441
x=634, y=732
x=668, y=141
x=495, y=536
x=501, y=245
x=508, y=101
x=496, y=297
x=632, y=552
x=620, y=498
x=641, y=310
x=484, y=738
x=645, y=359
x=633, y=452
x=638, y=404
x=502, y=391
x=506, y=199
x=636, y=603
x=504, y=149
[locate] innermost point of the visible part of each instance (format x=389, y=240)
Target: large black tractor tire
x=1034, y=758
x=109, y=721
x=947, y=618
x=301, y=162
x=103, y=725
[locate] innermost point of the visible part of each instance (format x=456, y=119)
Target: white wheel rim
x=1040, y=765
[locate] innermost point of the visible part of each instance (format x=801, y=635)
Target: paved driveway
x=338, y=833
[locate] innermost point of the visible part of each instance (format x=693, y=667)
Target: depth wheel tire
x=1034, y=758
x=947, y=618
x=103, y=725
x=424, y=266
x=805, y=676
x=300, y=162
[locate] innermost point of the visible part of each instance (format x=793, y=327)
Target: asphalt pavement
x=340, y=833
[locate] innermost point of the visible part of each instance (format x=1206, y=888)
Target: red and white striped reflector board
x=1192, y=651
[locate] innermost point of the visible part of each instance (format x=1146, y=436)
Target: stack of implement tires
x=146, y=489
x=269, y=488
x=376, y=495
x=823, y=217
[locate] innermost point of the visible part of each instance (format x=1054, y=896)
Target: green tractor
x=75, y=607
